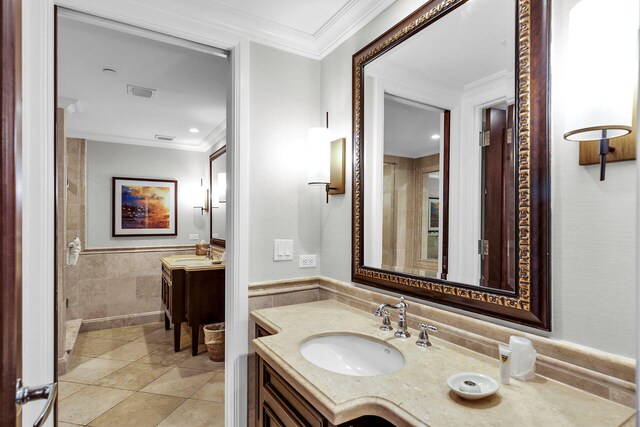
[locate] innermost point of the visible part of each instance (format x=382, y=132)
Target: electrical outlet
x=307, y=261
x=193, y=237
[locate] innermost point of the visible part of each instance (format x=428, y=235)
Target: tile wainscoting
x=110, y=288
x=605, y=375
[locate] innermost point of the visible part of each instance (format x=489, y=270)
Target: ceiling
x=190, y=82
x=311, y=28
x=472, y=43
x=409, y=127
x=189, y=79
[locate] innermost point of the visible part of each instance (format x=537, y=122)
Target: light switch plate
x=307, y=261
x=283, y=250
x=193, y=237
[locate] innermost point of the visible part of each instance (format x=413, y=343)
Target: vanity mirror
x=218, y=203
x=451, y=185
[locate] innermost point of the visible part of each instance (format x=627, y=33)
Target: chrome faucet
x=402, y=331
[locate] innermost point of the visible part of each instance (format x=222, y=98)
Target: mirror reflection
x=218, y=182
x=439, y=175
x=413, y=136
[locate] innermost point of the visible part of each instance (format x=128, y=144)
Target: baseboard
x=120, y=321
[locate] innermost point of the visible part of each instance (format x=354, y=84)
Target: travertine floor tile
x=134, y=376
x=97, y=346
x=136, y=379
x=139, y=410
x=90, y=403
x=180, y=382
x=202, y=362
x=213, y=391
x=166, y=356
x=127, y=333
x=159, y=336
x=131, y=351
x=66, y=389
x=196, y=413
x=83, y=338
x=93, y=370
x=76, y=360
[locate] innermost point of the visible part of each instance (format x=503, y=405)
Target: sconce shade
x=319, y=152
x=222, y=187
x=601, y=69
x=204, y=193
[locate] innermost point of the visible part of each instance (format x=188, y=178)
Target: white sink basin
x=352, y=355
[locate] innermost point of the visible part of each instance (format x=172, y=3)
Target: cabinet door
x=269, y=418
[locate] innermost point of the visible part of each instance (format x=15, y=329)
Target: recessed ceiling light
x=109, y=71
x=436, y=136
x=194, y=130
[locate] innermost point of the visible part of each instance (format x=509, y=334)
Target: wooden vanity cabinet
x=280, y=405
x=194, y=297
x=204, y=301
x=173, y=302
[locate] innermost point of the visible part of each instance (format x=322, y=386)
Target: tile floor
x=131, y=376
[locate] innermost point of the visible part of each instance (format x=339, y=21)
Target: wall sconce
x=205, y=206
x=222, y=187
x=326, y=160
x=601, y=72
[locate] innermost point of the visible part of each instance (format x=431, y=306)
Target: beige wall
x=116, y=284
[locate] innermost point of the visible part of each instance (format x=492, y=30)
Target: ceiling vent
x=143, y=92
x=165, y=138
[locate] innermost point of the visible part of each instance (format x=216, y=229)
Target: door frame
x=10, y=226
x=39, y=170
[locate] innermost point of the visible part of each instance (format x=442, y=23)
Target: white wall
x=594, y=228
x=106, y=160
x=284, y=104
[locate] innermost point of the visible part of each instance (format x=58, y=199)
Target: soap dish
x=472, y=386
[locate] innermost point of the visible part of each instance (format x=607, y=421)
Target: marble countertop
x=417, y=394
x=191, y=263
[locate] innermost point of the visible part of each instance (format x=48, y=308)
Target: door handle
x=27, y=394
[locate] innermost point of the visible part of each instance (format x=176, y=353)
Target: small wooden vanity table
x=192, y=292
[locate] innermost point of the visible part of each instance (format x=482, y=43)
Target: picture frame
x=144, y=207
x=433, y=214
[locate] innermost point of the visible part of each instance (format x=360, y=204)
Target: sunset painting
x=144, y=207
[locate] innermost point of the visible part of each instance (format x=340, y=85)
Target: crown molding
x=119, y=139
x=218, y=134
x=350, y=18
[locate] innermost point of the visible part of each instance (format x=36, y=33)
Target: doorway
x=138, y=115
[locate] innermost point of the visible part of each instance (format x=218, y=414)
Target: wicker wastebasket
x=214, y=340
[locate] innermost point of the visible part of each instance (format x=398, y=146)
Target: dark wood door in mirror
x=494, y=201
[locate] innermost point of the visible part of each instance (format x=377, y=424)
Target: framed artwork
x=144, y=207
x=434, y=214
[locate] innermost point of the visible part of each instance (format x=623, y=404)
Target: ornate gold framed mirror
x=461, y=220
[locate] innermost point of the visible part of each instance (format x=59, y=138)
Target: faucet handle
x=386, y=321
x=423, y=336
